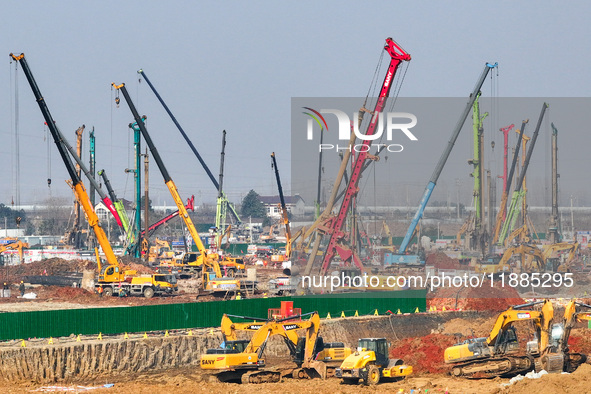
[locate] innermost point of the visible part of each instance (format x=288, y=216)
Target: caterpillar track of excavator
x=500, y=353
x=242, y=360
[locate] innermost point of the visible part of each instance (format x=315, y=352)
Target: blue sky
x=236, y=65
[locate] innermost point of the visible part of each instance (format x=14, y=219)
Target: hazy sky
x=236, y=66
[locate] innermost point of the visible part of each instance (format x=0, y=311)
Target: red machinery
x=337, y=235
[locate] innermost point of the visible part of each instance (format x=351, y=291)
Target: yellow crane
x=113, y=276
x=212, y=279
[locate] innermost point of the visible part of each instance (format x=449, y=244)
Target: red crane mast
x=398, y=55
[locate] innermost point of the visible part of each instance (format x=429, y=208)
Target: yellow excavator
x=242, y=361
x=558, y=357
x=499, y=354
x=532, y=260
x=553, y=263
x=371, y=364
x=314, y=357
x=14, y=244
x=113, y=276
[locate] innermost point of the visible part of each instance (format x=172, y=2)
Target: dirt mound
x=140, y=268
x=577, y=382
x=53, y=266
x=474, y=298
x=425, y=354
x=476, y=328
x=440, y=260
x=579, y=341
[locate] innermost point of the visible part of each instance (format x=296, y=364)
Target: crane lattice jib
x=398, y=55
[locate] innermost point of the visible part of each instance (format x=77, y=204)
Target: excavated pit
x=69, y=361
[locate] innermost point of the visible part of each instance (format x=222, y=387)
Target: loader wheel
x=373, y=376
x=231, y=272
x=108, y=291
x=148, y=292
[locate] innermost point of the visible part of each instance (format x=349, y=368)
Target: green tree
x=142, y=206
x=12, y=215
x=252, y=206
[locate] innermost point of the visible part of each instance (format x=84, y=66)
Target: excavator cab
x=507, y=341
x=230, y=347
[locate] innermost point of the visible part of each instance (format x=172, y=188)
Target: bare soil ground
x=424, y=353
x=190, y=380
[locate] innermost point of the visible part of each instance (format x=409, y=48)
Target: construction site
x=353, y=270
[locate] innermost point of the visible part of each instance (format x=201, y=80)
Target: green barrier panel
x=90, y=321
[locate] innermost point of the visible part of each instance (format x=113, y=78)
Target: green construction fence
x=116, y=320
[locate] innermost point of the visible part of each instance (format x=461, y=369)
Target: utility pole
x=553, y=227
x=146, y=201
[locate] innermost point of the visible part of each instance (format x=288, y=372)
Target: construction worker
x=21, y=288
x=100, y=291
x=238, y=297
x=264, y=295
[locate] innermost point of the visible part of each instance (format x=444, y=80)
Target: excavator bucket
x=316, y=369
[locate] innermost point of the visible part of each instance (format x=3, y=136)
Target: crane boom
x=130, y=236
x=502, y=214
x=398, y=55
x=517, y=195
x=177, y=124
x=220, y=215
x=283, y=208
x=211, y=258
x=76, y=182
x=443, y=159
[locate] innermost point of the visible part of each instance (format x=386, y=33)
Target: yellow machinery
x=190, y=263
x=532, y=260
x=212, y=279
x=499, y=354
x=160, y=252
x=554, y=264
x=314, y=357
x=113, y=277
x=557, y=357
x=521, y=234
x=372, y=364
x=14, y=244
x=242, y=361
